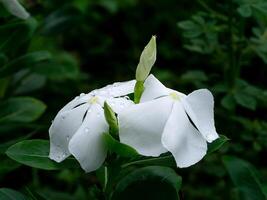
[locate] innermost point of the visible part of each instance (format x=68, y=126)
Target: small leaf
x=21, y=109
x=35, y=153
x=156, y=182
x=117, y=147
x=9, y=194
x=147, y=60
x=244, y=178
x=245, y=11
x=245, y=100
x=111, y=119
x=217, y=144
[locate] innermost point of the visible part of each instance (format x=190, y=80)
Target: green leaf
x=21, y=109
x=163, y=161
x=117, y=147
x=15, y=34
x=63, y=66
x=217, y=144
x=245, y=100
x=111, y=119
x=26, y=61
x=244, y=178
x=152, y=182
x=245, y=11
x=35, y=153
x=9, y=194
x=14, y=7
x=138, y=91
x=147, y=60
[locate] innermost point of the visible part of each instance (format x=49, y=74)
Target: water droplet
x=127, y=98
x=89, y=111
x=86, y=130
x=52, y=121
x=63, y=117
x=82, y=94
x=59, y=157
x=68, y=137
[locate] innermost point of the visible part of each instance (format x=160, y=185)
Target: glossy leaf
x=35, y=153
x=217, y=144
x=23, y=62
x=153, y=182
x=119, y=148
x=21, y=109
x=244, y=178
x=9, y=194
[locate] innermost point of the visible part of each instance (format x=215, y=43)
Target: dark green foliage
x=69, y=47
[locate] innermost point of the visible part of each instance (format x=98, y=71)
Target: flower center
x=174, y=96
x=93, y=100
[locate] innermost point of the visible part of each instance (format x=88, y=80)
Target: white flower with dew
x=161, y=123
x=78, y=127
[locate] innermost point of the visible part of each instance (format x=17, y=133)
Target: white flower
x=78, y=127
x=15, y=8
x=161, y=123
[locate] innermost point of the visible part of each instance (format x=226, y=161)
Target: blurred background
x=74, y=46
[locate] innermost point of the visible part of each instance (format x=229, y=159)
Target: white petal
x=82, y=98
x=141, y=125
x=118, y=104
x=199, y=105
x=62, y=129
x=153, y=89
x=14, y=7
x=116, y=89
x=87, y=145
x=180, y=137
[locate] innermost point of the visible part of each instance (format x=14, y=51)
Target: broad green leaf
x=35, y=153
x=9, y=194
x=153, y=182
x=111, y=119
x=147, y=60
x=163, y=161
x=63, y=66
x=14, y=7
x=117, y=147
x=21, y=109
x=244, y=178
x=217, y=144
x=26, y=61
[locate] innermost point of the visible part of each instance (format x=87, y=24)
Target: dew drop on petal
x=82, y=94
x=89, y=111
x=68, y=137
x=86, y=130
